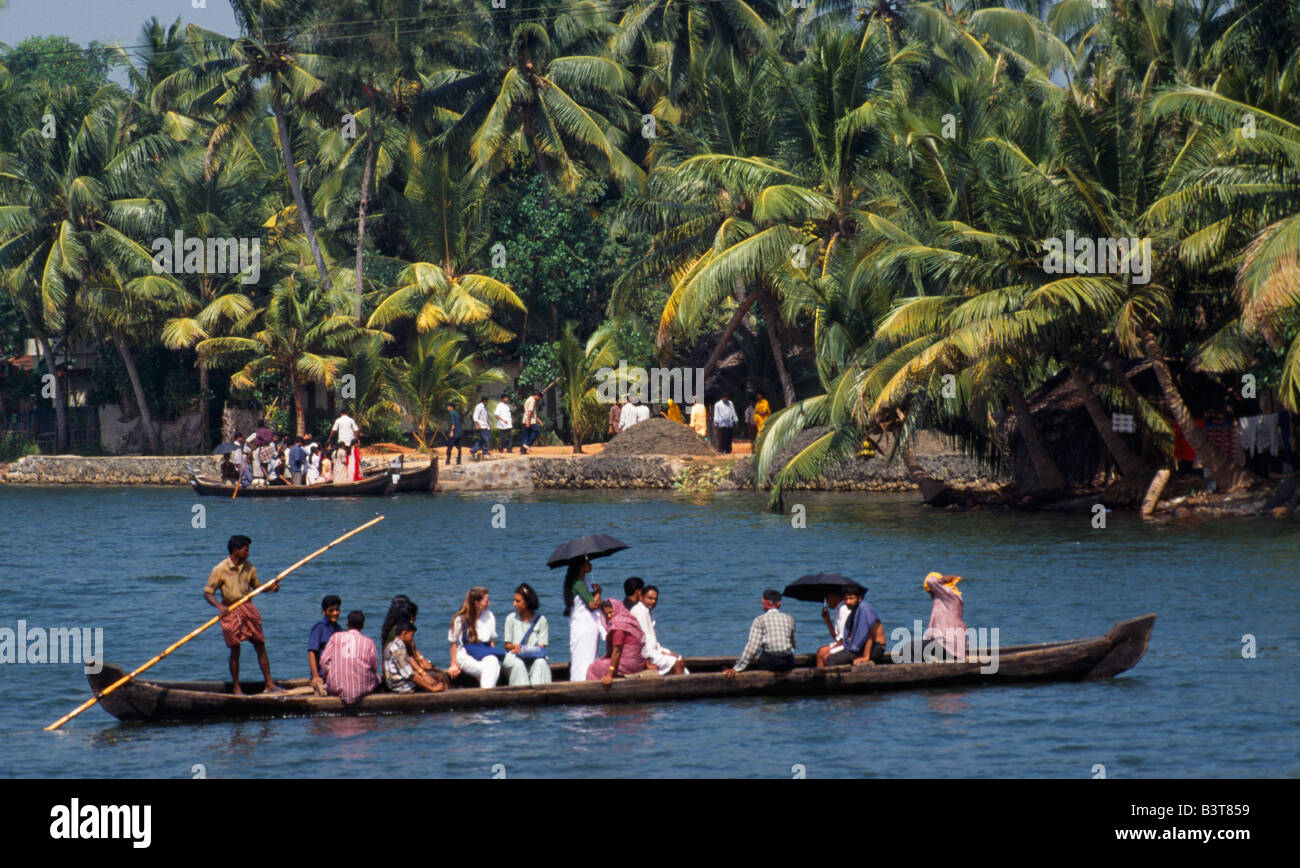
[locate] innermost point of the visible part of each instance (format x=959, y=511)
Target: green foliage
x=170, y=380
x=59, y=61
x=560, y=257
x=14, y=446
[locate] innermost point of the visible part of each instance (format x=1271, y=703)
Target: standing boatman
x=235, y=577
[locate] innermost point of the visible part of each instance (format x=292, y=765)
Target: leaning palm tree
x=579, y=365
x=300, y=334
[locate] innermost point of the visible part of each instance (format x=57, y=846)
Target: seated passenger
x=771, y=639
x=623, y=647
x=473, y=640
x=864, y=635
x=399, y=675
x=320, y=635
x=660, y=657
x=946, y=622
x=349, y=662
x=836, y=614
x=526, y=637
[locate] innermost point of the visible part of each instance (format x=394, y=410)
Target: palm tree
x=531, y=86
x=579, y=363
x=437, y=373
x=444, y=236
x=299, y=335
x=70, y=222
x=236, y=79
x=231, y=201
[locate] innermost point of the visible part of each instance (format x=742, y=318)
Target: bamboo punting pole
x=196, y=631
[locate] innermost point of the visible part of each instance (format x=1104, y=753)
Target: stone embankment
x=607, y=471
x=118, y=470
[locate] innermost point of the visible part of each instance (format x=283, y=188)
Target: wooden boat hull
x=371, y=486
x=422, y=480
x=1080, y=659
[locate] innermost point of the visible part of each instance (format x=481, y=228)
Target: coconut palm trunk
x=1129, y=462
x=300, y=407
x=60, y=407
x=295, y=187
x=366, y=175
x=716, y=356
x=778, y=349
x=932, y=490
x=205, y=441
x=1049, y=475
x=1226, y=476
x=151, y=434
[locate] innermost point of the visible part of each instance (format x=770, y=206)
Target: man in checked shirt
x=771, y=640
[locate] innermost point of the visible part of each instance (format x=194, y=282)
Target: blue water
x=130, y=561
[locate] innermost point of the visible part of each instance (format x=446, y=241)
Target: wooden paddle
x=170, y=648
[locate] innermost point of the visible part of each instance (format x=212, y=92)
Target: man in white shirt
x=835, y=614
x=532, y=424
x=724, y=422
x=505, y=424
x=633, y=412
x=346, y=428
x=664, y=660
x=482, y=423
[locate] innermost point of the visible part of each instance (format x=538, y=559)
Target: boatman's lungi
x=241, y=625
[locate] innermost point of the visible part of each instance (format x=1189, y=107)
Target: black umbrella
x=595, y=546
x=223, y=448
x=813, y=588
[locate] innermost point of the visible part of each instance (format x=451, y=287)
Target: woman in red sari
x=354, y=461
x=624, y=646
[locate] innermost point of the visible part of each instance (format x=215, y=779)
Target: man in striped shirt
x=350, y=662
x=771, y=640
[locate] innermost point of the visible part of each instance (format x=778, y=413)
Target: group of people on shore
x=346, y=663
x=267, y=458
x=500, y=419
x=625, y=414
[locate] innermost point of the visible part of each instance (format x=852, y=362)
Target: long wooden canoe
x=1076, y=660
x=371, y=486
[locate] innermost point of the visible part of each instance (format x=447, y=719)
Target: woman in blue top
x=526, y=631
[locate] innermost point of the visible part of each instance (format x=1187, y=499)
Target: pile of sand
x=658, y=436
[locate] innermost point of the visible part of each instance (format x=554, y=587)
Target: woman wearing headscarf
x=586, y=622
x=946, y=622
x=762, y=410
x=625, y=646
x=674, y=413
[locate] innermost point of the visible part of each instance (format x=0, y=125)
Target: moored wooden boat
x=371, y=486
x=422, y=480
x=1100, y=657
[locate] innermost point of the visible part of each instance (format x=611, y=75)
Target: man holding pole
x=236, y=577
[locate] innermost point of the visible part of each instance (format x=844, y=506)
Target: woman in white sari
x=586, y=621
x=313, y=464
x=340, y=465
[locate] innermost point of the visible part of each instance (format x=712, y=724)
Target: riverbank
x=558, y=468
